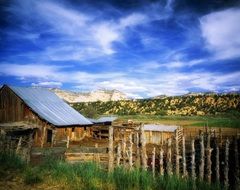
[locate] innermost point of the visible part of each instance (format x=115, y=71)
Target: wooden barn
x=52, y=119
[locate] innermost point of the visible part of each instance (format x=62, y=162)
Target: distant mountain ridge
x=201, y=104
x=93, y=96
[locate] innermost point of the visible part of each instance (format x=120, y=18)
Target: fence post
x=209, y=162
x=118, y=154
x=153, y=161
x=193, y=173
x=43, y=136
x=124, y=148
x=161, y=169
x=169, y=157
x=137, y=150
x=177, y=152
x=143, y=148
x=130, y=151
x=226, y=169
x=184, y=157
x=217, y=164
x=202, y=158
x=110, y=150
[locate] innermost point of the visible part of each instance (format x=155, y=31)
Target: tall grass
x=89, y=176
x=10, y=161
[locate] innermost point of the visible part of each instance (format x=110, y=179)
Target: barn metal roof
x=50, y=107
x=160, y=128
x=103, y=119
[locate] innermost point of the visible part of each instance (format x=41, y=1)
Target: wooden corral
x=14, y=108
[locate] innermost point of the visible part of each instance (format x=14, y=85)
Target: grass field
x=57, y=174
x=224, y=120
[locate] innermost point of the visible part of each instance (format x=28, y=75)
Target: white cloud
x=170, y=82
x=133, y=20
x=45, y=73
x=150, y=66
x=105, y=34
x=29, y=70
x=221, y=30
x=49, y=84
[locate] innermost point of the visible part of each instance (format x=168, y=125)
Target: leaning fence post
x=226, y=169
x=202, y=158
x=161, y=169
x=110, y=150
x=19, y=145
x=143, y=148
x=153, y=161
x=169, y=157
x=184, y=157
x=209, y=162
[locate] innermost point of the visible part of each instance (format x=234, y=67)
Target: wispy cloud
x=221, y=32
x=48, y=84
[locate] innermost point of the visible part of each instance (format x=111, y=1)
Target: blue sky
x=142, y=48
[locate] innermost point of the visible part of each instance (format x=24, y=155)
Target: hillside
x=99, y=95
x=178, y=105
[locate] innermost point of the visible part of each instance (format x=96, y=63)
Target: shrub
x=89, y=111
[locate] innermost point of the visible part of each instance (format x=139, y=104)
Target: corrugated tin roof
x=103, y=119
x=160, y=128
x=50, y=107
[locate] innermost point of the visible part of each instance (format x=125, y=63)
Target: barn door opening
x=49, y=136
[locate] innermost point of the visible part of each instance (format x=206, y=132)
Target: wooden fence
x=203, y=157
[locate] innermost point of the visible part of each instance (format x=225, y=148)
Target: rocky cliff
x=99, y=95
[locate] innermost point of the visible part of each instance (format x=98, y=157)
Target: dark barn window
x=49, y=136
